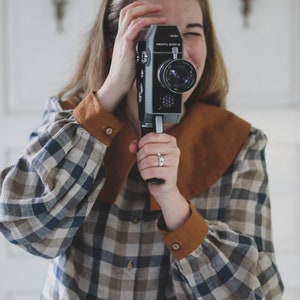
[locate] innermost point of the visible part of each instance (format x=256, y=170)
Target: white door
x=264, y=68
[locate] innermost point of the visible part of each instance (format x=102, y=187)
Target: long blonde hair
x=94, y=62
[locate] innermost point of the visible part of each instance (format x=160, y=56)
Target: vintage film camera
x=162, y=77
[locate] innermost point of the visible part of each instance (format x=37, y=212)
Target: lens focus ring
x=177, y=75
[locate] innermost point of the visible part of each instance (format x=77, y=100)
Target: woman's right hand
x=133, y=19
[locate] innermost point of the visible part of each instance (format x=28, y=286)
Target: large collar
x=209, y=139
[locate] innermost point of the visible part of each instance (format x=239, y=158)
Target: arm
x=235, y=260
x=49, y=192
x=46, y=196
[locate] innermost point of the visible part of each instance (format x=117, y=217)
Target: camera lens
x=177, y=75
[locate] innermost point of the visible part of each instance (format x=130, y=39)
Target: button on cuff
x=189, y=236
x=176, y=246
x=108, y=131
x=101, y=124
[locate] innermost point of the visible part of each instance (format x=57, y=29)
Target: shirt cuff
x=101, y=124
x=188, y=237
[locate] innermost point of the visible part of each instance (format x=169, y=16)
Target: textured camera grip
x=157, y=127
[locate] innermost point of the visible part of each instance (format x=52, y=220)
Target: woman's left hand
x=174, y=207
x=148, y=150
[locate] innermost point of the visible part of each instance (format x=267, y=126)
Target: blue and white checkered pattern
x=49, y=206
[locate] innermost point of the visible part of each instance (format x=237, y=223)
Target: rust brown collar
x=209, y=139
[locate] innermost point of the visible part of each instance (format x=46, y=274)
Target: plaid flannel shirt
x=49, y=206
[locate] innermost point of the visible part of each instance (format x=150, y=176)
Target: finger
x=135, y=11
x=154, y=137
x=136, y=26
x=133, y=147
x=167, y=174
x=152, y=149
x=149, y=173
x=170, y=160
x=156, y=143
x=154, y=161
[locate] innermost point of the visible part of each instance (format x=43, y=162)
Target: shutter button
x=176, y=246
x=108, y=131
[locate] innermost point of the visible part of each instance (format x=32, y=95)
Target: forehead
x=186, y=11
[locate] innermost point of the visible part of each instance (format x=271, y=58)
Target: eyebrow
x=192, y=25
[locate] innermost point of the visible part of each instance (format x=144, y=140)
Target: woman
x=79, y=194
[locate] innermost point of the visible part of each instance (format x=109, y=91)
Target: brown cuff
x=103, y=125
x=188, y=237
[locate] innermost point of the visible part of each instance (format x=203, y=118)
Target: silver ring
x=161, y=160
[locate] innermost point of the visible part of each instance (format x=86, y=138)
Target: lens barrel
x=177, y=75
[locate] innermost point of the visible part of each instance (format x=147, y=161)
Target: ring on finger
x=161, y=160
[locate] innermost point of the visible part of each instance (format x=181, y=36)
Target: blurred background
x=260, y=40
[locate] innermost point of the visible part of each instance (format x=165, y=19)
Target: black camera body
x=162, y=76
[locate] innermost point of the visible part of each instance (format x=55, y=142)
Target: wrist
x=176, y=211
x=188, y=237
x=108, y=96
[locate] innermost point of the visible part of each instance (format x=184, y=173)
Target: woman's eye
x=192, y=34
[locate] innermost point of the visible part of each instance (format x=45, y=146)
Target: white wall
x=264, y=68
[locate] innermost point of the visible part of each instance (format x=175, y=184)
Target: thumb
x=133, y=147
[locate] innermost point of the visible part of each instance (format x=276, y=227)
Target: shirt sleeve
x=235, y=258
x=47, y=194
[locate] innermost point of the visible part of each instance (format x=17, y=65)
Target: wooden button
x=129, y=265
x=135, y=220
x=108, y=131
x=176, y=246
